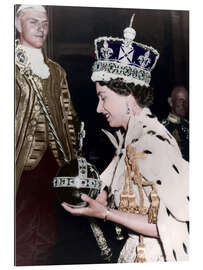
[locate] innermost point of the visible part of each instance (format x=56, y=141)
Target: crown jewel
x=124, y=58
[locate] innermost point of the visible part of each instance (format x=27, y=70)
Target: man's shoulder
x=51, y=63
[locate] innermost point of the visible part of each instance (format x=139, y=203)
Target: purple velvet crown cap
x=137, y=54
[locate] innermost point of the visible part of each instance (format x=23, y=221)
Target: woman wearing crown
x=145, y=187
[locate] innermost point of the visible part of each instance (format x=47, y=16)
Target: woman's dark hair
x=143, y=94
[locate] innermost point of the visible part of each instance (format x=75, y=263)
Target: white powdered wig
x=35, y=7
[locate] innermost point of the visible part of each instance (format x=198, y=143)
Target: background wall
x=71, y=43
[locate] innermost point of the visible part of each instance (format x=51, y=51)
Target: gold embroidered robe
x=30, y=122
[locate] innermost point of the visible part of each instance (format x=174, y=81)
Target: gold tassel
x=142, y=210
x=140, y=251
x=123, y=205
x=132, y=206
x=154, y=207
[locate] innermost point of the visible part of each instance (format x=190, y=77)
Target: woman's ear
x=131, y=100
x=135, y=108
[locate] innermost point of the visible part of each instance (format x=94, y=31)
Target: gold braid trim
x=154, y=206
x=106, y=251
x=128, y=200
x=69, y=120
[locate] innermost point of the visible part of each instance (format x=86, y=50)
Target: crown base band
x=105, y=71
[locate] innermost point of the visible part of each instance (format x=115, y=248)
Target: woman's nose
x=99, y=107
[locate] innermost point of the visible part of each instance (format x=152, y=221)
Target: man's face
x=180, y=103
x=34, y=28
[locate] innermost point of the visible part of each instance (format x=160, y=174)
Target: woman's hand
x=96, y=208
x=102, y=198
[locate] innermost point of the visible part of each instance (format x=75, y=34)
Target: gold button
x=37, y=107
x=29, y=138
x=33, y=122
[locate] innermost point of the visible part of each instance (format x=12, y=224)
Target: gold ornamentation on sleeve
x=128, y=200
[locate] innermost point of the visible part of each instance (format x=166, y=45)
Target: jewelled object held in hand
x=74, y=178
x=77, y=177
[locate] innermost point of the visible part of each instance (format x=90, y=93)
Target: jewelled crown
x=124, y=58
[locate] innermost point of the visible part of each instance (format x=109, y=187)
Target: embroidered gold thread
x=128, y=200
x=106, y=251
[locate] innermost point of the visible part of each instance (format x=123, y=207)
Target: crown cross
x=126, y=54
x=144, y=60
x=106, y=51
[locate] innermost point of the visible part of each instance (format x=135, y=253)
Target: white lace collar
x=36, y=61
